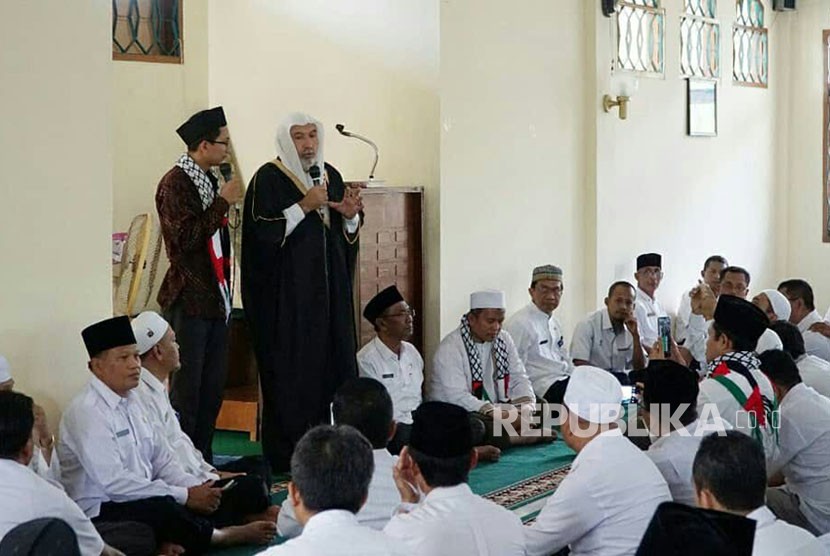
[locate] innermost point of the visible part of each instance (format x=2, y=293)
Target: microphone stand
x=342, y=130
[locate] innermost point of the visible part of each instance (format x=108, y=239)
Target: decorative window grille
x=147, y=30
x=750, y=45
x=640, y=36
x=700, y=40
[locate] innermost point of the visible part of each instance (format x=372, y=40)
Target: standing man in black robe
x=299, y=247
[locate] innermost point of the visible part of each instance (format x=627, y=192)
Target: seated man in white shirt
x=44, y=461
x=362, y=403
x=25, y=495
x=477, y=367
x=448, y=518
x=804, y=315
x=800, y=473
x=114, y=466
x=538, y=336
x=609, y=338
x=814, y=371
x=391, y=360
x=734, y=280
x=670, y=391
x=647, y=309
x=604, y=504
x=331, y=469
x=159, y=352
x=730, y=476
x=740, y=392
x=687, y=323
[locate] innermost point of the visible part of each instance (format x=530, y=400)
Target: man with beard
x=299, y=246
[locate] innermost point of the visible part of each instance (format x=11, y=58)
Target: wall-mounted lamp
x=623, y=86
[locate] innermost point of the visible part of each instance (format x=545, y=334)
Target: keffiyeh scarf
x=500, y=359
x=761, y=411
x=207, y=193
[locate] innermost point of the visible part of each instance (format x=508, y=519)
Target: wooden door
x=391, y=252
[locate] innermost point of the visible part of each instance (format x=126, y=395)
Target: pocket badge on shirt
x=120, y=434
x=390, y=375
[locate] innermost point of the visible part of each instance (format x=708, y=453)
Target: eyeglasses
x=408, y=312
x=652, y=272
x=226, y=143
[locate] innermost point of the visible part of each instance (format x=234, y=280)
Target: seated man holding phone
x=115, y=467
x=244, y=483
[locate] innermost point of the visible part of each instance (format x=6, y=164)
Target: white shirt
x=728, y=408
x=541, y=346
x=815, y=372
x=294, y=215
x=768, y=340
x=50, y=471
x=375, y=513
x=152, y=396
x=25, y=497
x=453, y=521
x=336, y=533
x=674, y=454
x=111, y=453
x=774, y=537
x=685, y=317
x=451, y=379
x=403, y=376
x=647, y=310
x=814, y=343
x=605, y=503
x=804, y=452
x=595, y=341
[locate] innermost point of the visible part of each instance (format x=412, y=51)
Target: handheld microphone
x=314, y=172
x=226, y=170
x=342, y=130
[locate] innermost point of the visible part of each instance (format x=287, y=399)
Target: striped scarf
x=500, y=359
x=207, y=193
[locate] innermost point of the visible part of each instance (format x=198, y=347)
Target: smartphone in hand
x=664, y=333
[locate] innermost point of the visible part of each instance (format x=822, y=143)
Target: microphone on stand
x=342, y=130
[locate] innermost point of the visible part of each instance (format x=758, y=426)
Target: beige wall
x=370, y=64
x=513, y=167
x=150, y=100
x=56, y=156
x=533, y=170
x=686, y=197
x=800, y=145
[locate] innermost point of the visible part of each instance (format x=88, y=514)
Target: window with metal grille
x=147, y=30
x=640, y=34
x=750, y=45
x=700, y=39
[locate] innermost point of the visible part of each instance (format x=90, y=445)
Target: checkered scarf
x=206, y=189
x=502, y=365
x=207, y=193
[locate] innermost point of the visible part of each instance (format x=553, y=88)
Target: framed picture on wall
x=702, y=108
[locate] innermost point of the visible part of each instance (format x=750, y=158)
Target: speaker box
x=783, y=5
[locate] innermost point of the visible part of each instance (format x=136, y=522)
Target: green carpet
x=521, y=480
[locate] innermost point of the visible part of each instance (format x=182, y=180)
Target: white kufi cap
x=149, y=328
x=487, y=299
x=780, y=304
x=594, y=394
